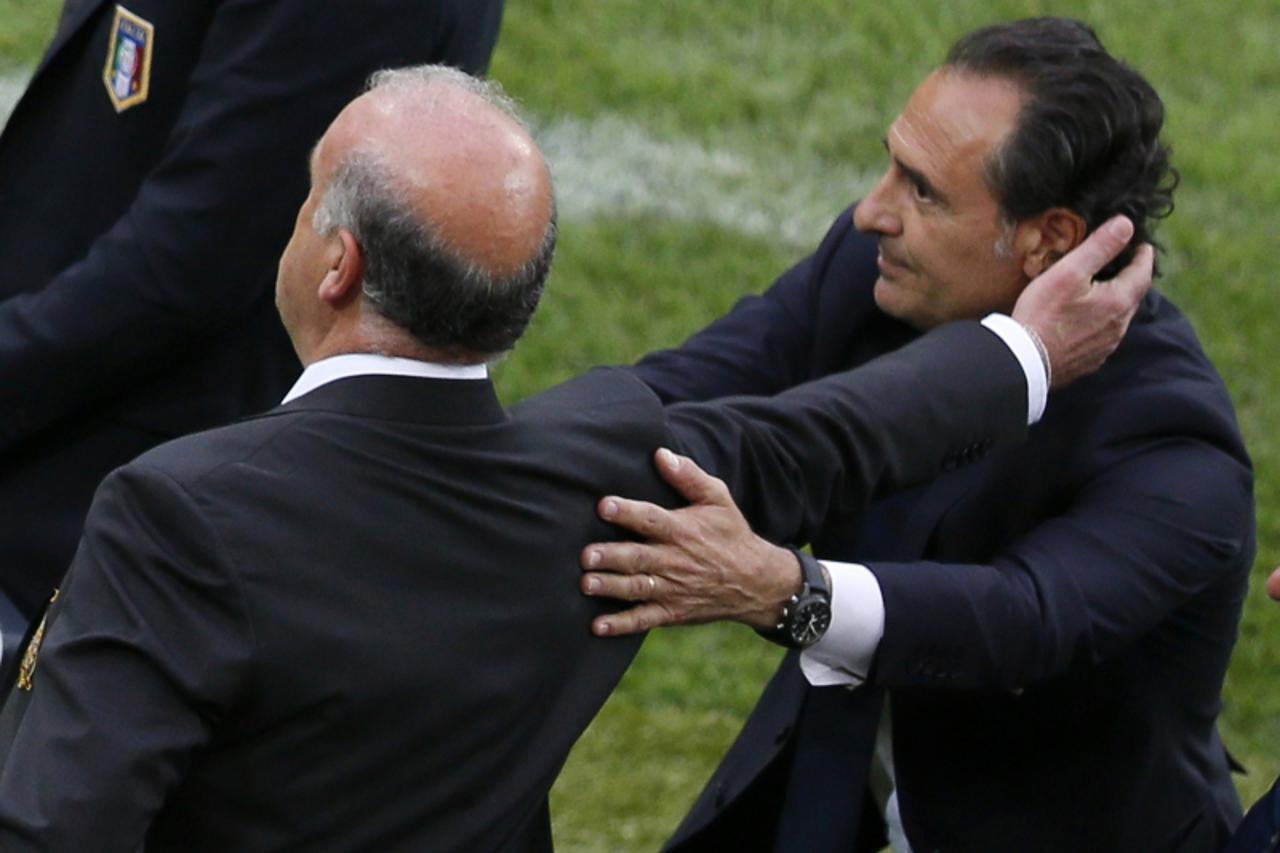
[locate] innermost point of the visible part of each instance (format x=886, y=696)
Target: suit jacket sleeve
x=145, y=648
x=1161, y=515
x=774, y=341
x=194, y=253
x=836, y=443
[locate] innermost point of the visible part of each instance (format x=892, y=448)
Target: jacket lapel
x=431, y=402
x=926, y=516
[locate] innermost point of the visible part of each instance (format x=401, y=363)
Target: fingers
x=654, y=522
x=633, y=621
x=1099, y=248
x=649, y=520
x=1125, y=292
x=628, y=558
x=1133, y=282
x=1273, y=585
x=624, y=581
x=696, y=485
x=624, y=587
x=697, y=563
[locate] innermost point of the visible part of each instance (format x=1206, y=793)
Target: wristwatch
x=807, y=615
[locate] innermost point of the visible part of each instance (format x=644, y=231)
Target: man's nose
x=875, y=213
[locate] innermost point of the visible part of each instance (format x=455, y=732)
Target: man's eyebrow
x=914, y=175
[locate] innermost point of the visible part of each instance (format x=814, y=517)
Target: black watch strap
x=815, y=579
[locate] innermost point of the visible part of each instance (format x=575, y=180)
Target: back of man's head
x=450, y=202
x=1088, y=135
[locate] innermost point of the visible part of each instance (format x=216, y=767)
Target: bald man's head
x=450, y=203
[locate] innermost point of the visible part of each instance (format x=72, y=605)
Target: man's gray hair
x=417, y=77
x=412, y=276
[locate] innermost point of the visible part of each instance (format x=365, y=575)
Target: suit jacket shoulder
x=383, y=554
x=817, y=318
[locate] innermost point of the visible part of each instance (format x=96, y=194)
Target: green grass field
x=701, y=146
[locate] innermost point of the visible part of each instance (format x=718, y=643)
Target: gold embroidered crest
x=27, y=669
x=128, y=70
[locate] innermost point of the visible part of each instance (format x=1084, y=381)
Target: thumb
x=1100, y=247
x=696, y=485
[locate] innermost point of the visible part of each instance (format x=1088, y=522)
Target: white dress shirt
x=336, y=367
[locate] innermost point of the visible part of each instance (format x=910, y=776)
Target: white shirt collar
x=361, y=364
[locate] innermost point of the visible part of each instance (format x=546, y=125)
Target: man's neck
x=386, y=340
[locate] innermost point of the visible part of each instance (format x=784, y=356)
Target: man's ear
x=1047, y=237
x=341, y=283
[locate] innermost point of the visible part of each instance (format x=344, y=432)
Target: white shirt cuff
x=844, y=654
x=1017, y=339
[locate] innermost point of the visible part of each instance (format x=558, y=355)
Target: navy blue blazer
x=140, y=246
x=1059, y=616
x=1259, y=832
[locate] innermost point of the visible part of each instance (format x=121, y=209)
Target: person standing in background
x=148, y=176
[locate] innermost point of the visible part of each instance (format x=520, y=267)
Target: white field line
x=609, y=166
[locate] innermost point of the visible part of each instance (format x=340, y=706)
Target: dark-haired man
x=1054, y=622
x=353, y=623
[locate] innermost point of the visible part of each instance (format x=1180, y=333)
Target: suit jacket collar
x=938, y=500
x=435, y=402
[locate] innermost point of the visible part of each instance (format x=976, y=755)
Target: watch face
x=809, y=621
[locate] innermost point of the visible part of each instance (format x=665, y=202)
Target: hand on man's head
x=1081, y=321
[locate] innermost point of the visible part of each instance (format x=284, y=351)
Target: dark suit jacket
x=354, y=623
x=1059, y=616
x=1259, y=832
x=140, y=247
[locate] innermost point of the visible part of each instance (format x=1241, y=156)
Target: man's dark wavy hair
x=1088, y=135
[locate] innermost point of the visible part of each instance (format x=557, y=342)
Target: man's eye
x=920, y=191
